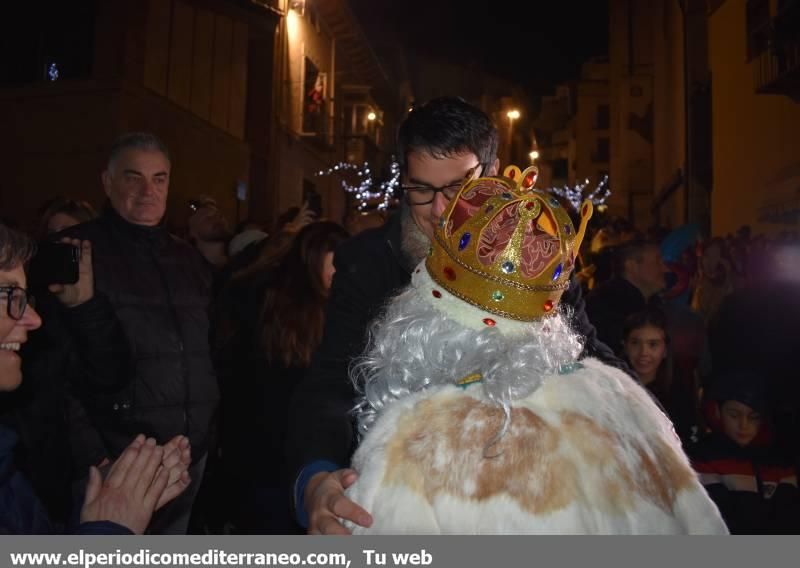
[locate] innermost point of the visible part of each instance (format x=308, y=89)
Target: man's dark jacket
x=142, y=340
x=370, y=269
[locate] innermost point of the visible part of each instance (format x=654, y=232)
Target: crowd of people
x=710, y=332
x=210, y=383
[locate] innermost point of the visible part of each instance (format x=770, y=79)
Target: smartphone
x=314, y=201
x=315, y=204
x=54, y=263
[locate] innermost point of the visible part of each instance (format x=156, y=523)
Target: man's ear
x=105, y=178
x=493, y=169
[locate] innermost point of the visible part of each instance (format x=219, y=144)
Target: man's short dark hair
x=632, y=250
x=139, y=141
x=447, y=126
x=16, y=249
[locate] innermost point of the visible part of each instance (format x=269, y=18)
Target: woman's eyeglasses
x=17, y=299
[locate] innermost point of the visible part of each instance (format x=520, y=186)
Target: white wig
x=414, y=345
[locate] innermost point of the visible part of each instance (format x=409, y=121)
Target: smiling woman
x=17, y=316
x=144, y=478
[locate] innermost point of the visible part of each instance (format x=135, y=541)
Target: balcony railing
x=319, y=128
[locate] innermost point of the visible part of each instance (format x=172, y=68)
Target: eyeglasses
x=17, y=299
x=424, y=194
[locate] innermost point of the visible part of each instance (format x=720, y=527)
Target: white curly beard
x=414, y=346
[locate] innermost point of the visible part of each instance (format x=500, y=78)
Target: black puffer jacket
x=161, y=383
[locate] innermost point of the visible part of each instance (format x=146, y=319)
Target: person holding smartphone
x=81, y=345
x=144, y=478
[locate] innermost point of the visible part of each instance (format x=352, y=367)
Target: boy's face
x=739, y=422
x=429, y=171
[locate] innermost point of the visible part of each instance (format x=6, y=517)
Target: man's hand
x=132, y=489
x=82, y=291
x=326, y=503
x=177, y=459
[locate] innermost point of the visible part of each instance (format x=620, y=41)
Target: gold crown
x=505, y=247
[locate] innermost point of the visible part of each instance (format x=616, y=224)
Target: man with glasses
x=209, y=231
x=440, y=145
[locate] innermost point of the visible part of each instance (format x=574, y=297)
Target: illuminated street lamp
x=534, y=155
x=512, y=115
x=372, y=116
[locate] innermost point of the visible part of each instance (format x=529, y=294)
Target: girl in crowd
x=270, y=321
x=646, y=341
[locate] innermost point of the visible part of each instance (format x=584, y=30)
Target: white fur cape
x=587, y=453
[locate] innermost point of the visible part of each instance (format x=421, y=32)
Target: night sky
x=537, y=44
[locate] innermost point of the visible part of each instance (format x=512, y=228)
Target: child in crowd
x=744, y=472
x=646, y=341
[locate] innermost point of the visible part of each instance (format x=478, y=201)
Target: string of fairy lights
x=575, y=194
x=366, y=191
